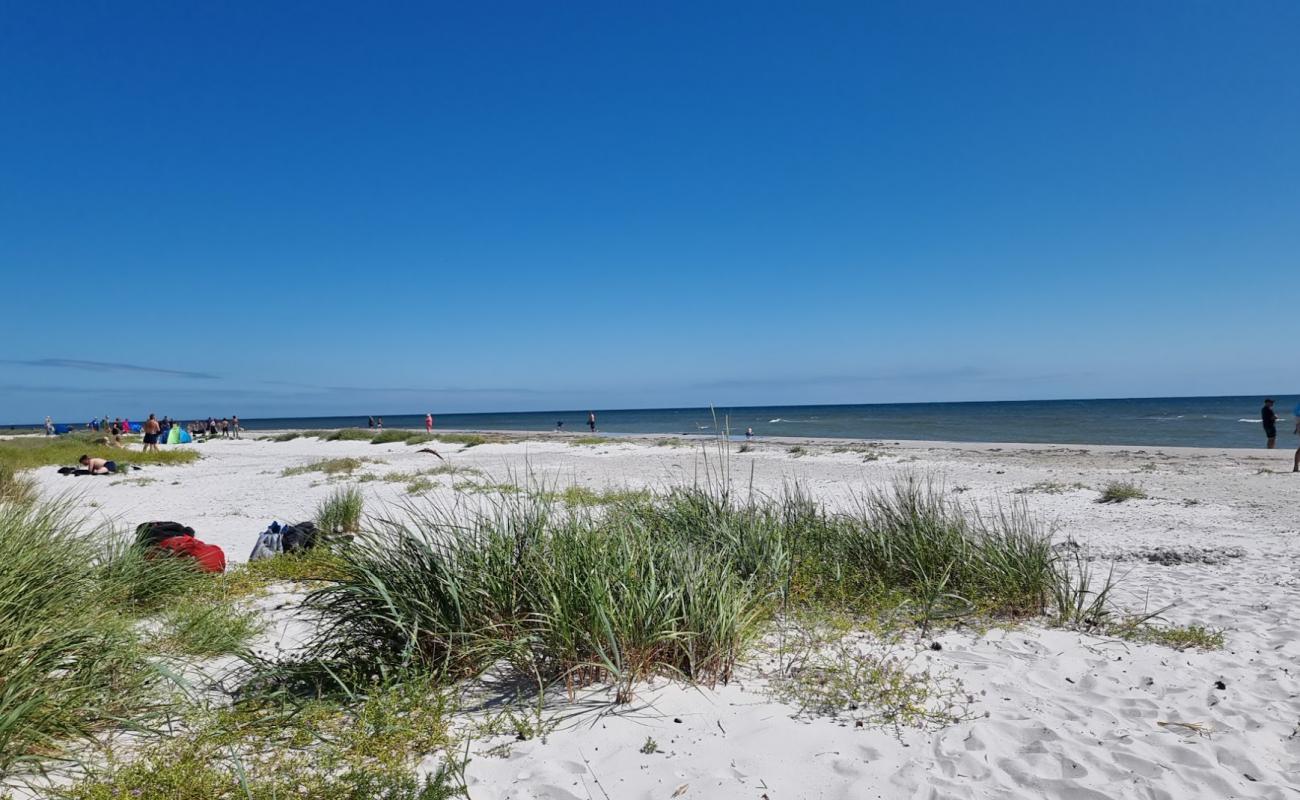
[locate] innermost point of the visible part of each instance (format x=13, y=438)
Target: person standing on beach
x=428, y=423
x=49, y=427
x=1269, y=417
x=234, y=426
x=749, y=433
x=379, y=423
x=591, y=420
x=151, y=431
x=225, y=428
x=1296, y=466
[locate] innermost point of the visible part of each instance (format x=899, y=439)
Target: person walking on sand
x=151, y=431
x=1269, y=417
x=591, y=420
x=1296, y=466
x=428, y=423
x=370, y=422
x=234, y=427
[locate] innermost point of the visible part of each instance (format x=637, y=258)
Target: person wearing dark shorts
x=1269, y=417
x=151, y=430
x=98, y=466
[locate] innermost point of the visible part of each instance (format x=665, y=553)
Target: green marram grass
x=14, y=487
x=341, y=511
x=328, y=466
x=679, y=585
x=270, y=749
x=71, y=657
x=29, y=452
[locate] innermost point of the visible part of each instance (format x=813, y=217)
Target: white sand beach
x=1053, y=712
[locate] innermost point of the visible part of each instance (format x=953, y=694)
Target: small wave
x=770, y=421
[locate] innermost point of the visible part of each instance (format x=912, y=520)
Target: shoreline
x=829, y=441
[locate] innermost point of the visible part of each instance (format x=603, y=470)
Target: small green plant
x=419, y=485
x=1121, y=491
x=1082, y=600
x=745, y=448
x=590, y=440
x=1049, y=487
x=329, y=466
x=1178, y=637
x=797, y=450
x=875, y=683
x=650, y=747
x=341, y=511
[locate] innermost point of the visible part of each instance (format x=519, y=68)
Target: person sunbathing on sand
x=98, y=466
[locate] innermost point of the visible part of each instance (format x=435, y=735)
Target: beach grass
x=15, y=488
x=404, y=437
x=31, y=452
x=202, y=629
x=577, y=496
x=341, y=511
x=71, y=655
x=329, y=466
x=677, y=585
x=590, y=440
x=276, y=748
x=1179, y=637
x=1121, y=491
x=467, y=439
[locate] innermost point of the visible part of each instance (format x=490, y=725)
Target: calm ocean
x=1173, y=421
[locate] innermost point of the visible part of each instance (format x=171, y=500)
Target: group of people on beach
x=1269, y=417
x=156, y=430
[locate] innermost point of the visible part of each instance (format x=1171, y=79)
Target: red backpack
x=209, y=557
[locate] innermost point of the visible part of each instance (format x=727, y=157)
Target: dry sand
x=1059, y=713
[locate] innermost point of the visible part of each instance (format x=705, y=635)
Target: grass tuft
x=680, y=584
x=341, y=511
x=329, y=466
x=1121, y=491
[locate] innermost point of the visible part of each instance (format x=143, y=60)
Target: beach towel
x=208, y=557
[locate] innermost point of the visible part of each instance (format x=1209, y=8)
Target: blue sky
x=318, y=208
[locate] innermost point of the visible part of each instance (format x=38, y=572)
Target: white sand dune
x=1060, y=714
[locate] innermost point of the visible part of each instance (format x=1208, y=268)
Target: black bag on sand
x=299, y=537
x=151, y=533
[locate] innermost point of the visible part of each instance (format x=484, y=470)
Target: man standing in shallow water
x=1269, y=417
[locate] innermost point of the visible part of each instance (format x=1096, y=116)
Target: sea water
x=1169, y=421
